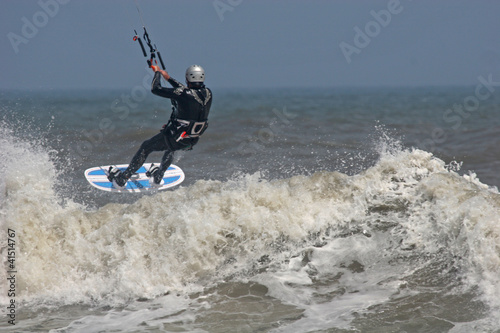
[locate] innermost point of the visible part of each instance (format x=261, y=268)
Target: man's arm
x=156, y=87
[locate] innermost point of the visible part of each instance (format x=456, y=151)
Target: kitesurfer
x=189, y=119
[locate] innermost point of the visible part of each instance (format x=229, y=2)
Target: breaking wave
x=409, y=226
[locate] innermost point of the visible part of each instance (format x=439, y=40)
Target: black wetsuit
x=187, y=122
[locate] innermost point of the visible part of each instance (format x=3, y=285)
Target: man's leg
x=156, y=143
x=167, y=159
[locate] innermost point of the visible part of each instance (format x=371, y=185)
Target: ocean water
x=327, y=210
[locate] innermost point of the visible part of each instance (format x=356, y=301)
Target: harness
x=191, y=128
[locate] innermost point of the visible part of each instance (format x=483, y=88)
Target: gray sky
x=81, y=44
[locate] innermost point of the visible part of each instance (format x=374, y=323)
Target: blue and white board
x=139, y=182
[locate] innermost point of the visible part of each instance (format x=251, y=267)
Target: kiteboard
x=139, y=182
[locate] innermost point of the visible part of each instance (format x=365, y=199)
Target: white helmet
x=195, y=73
